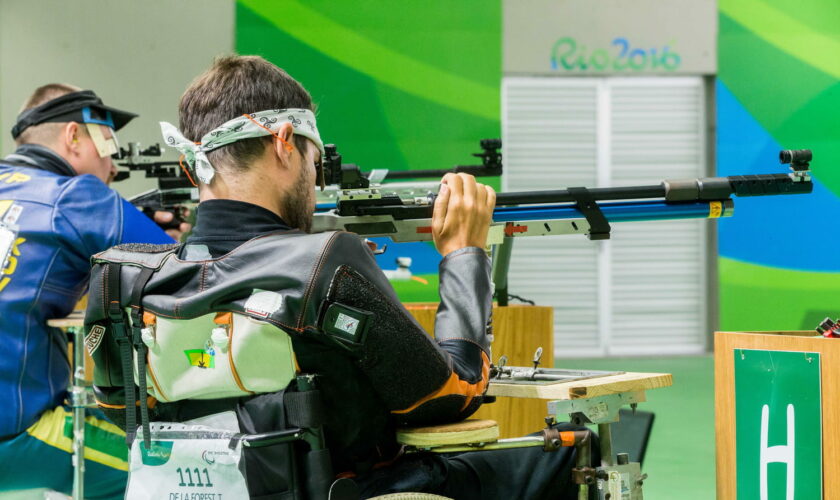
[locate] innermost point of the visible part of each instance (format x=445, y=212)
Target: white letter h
x=777, y=454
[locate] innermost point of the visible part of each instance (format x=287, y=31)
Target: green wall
x=413, y=87
x=779, y=88
x=417, y=87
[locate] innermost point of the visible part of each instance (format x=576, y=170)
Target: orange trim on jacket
x=150, y=402
x=455, y=386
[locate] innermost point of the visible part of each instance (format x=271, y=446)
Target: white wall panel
x=658, y=268
x=642, y=292
x=550, y=141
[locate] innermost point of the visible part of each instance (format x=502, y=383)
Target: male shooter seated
x=249, y=135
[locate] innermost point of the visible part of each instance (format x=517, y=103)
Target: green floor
x=680, y=460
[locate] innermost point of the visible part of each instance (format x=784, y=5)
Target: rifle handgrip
x=175, y=223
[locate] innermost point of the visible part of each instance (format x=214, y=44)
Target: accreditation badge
x=186, y=462
x=7, y=242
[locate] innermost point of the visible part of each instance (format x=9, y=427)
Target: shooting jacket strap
x=116, y=316
x=137, y=326
x=305, y=409
x=599, y=227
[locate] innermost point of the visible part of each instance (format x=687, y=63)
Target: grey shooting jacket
x=395, y=374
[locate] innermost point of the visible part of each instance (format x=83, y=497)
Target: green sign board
x=778, y=425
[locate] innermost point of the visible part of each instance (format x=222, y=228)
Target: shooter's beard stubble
x=297, y=205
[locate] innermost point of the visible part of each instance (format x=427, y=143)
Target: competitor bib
x=186, y=462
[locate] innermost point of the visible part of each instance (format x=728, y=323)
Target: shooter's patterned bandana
x=242, y=127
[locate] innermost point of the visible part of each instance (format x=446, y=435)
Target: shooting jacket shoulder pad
x=279, y=277
x=138, y=254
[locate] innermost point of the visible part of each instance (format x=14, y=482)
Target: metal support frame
x=603, y=411
x=501, y=444
x=605, y=436
x=501, y=263
x=81, y=397
x=583, y=463
x=600, y=410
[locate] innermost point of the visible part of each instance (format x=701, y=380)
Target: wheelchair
x=308, y=473
x=314, y=476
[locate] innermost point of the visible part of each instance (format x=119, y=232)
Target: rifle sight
x=799, y=159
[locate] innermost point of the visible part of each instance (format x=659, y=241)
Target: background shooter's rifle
x=371, y=211
x=175, y=193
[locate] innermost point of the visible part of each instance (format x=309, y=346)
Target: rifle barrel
x=705, y=189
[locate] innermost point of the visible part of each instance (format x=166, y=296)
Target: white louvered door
x=643, y=292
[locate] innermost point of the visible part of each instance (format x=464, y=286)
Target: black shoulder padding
x=402, y=362
x=147, y=247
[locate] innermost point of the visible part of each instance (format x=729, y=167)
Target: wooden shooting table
x=594, y=400
x=584, y=389
x=518, y=331
x=75, y=319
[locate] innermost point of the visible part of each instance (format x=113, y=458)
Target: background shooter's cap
x=83, y=106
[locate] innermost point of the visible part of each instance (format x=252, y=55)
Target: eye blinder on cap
x=108, y=120
x=105, y=147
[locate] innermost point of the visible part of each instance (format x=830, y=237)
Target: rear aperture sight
x=798, y=158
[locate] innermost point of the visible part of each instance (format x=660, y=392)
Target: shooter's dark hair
x=233, y=86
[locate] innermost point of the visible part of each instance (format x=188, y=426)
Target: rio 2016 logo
x=622, y=56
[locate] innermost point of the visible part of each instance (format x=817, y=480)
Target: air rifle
x=405, y=216
x=362, y=202
x=380, y=210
